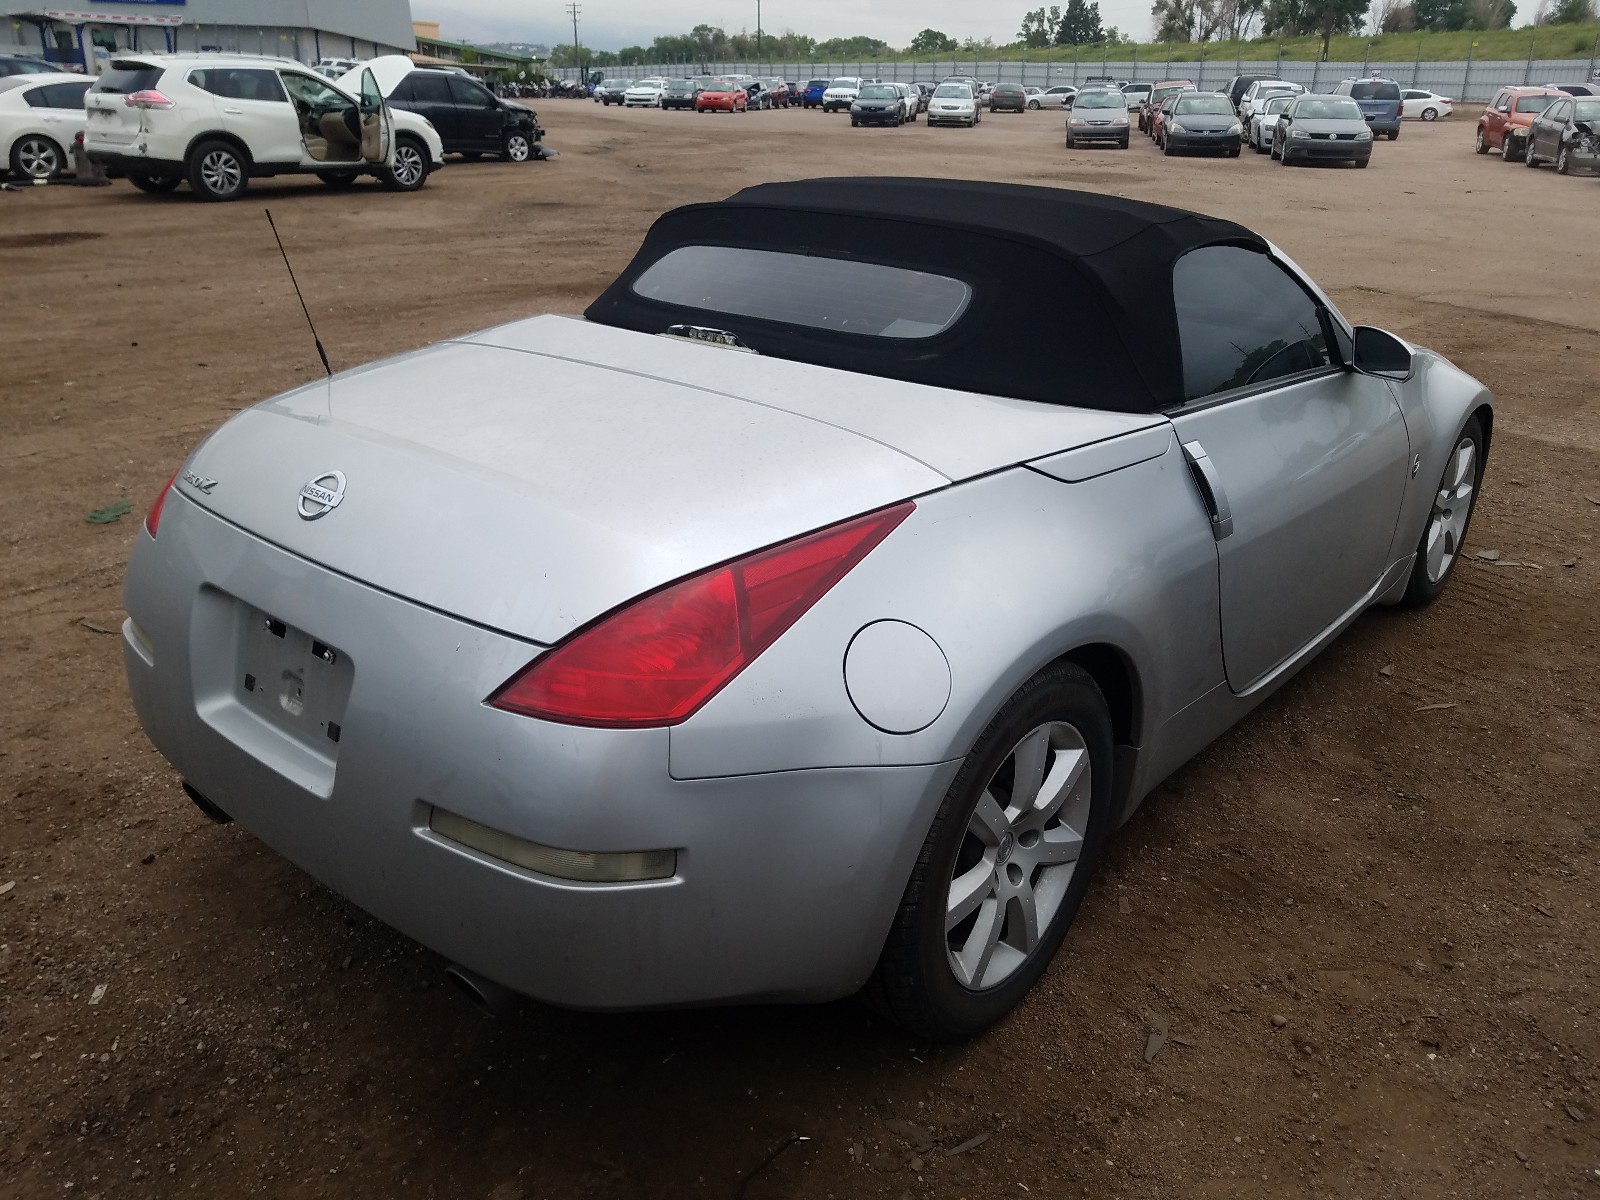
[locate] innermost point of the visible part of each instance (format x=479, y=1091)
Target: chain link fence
x=1466, y=81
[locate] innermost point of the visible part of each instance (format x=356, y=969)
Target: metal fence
x=1469, y=80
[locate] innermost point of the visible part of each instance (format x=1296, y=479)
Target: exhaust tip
x=488, y=997
x=205, y=806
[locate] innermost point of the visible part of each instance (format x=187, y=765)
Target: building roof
x=1072, y=291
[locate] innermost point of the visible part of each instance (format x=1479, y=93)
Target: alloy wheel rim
x=517, y=148
x=220, y=171
x=1452, y=505
x=407, y=165
x=1018, y=856
x=37, y=159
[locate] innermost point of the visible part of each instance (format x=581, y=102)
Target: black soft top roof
x=1072, y=291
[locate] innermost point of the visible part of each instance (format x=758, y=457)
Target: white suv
x=219, y=120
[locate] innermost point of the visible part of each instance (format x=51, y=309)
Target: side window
x=313, y=92
x=1502, y=102
x=429, y=87
x=403, y=91
x=36, y=97
x=470, y=95
x=66, y=95
x=1242, y=320
x=1560, y=111
x=238, y=83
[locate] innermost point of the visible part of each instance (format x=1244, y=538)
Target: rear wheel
x=1563, y=161
x=1005, y=866
x=338, y=179
x=1529, y=158
x=1451, y=514
x=156, y=185
x=1430, y=114
x=409, y=170
x=37, y=157
x=218, y=171
x=1394, y=135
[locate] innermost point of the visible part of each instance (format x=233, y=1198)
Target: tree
x=932, y=41
x=1187, y=20
x=1395, y=16
x=1491, y=14
x=1571, y=12
x=1292, y=18
x=857, y=48
x=1442, y=15
x=1080, y=24
x=1039, y=27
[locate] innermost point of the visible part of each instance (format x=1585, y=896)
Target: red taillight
x=658, y=660
x=147, y=98
x=152, y=519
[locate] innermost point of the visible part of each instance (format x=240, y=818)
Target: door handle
x=234, y=112
x=1210, y=485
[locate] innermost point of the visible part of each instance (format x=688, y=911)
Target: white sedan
x=1416, y=104
x=1055, y=97
x=41, y=115
x=646, y=93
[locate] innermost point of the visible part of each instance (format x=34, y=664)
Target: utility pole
x=572, y=11
x=758, y=28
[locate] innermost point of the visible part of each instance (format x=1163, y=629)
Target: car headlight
x=1079, y=121
x=1120, y=121
x=1235, y=129
x=1300, y=133
x=1174, y=127
x=855, y=106
x=1364, y=135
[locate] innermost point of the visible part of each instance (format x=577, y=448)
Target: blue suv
x=1380, y=103
x=811, y=96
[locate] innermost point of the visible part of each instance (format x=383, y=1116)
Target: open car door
x=377, y=125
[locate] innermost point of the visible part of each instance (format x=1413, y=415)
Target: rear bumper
x=785, y=886
x=137, y=164
x=1384, y=124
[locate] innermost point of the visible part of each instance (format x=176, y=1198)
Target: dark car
x=811, y=94
x=1202, y=121
x=21, y=64
x=778, y=93
x=879, y=104
x=1151, y=102
x=1380, y=103
x=1008, y=97
x=1567, y=134
x=680, y=93
x=470, y=119
x=1322, y=129
x=1239, y=84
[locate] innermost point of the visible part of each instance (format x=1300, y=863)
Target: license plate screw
x=325, y=652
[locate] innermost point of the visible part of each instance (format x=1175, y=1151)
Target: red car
x=1163, y=110
x=1153, y=98
x=723, y=95
x=1506, y=119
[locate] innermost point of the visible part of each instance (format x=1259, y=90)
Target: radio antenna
x=321, y=353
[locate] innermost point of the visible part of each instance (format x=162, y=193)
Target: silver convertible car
x=803, y=618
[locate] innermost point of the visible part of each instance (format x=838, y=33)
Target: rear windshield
x=836, y=294
x=1329, y=110
x=1279, y=104
x=1535, y=103
x=1160, y=94
x=1204, y=106
x=123, y=79
x=1008, y=88
x=1374, y=91
x=814, y=83
x=1100, y=100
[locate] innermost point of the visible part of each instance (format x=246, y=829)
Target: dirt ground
x=1366, y=918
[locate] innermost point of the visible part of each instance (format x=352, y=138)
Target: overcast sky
x=612, y=24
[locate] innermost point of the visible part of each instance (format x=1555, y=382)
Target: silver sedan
x=805, y=617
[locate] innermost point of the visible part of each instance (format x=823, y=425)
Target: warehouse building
x=85, y=34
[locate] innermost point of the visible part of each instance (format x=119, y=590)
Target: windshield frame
x=1351, y=109
x=1219, y=106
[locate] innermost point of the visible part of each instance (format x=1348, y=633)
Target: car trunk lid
x=108, y=119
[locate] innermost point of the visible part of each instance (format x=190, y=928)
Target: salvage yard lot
x=1365, y=919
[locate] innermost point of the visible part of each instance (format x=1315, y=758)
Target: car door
x=481, y=117
x=1302, y=462
x=59, y=108
x=377, y=124
x=1495, y=118
x=254, y=108
x=1548, y=126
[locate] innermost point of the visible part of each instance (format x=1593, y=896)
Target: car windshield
x=723, y=85
x=1329, y=110
x=1374, y=91
x=879, y=91
x=1535, y=104
x=1587, y=110
x=1100, y=100
x=847, y=81
x=680, y=85
x=955, y=91
x=834, y=294
x=1136, y=89
x=1279, y=103
x=1160, y=94
x=1204, y=106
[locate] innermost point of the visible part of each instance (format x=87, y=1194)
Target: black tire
x=1394, y=136
x=156, y=185
x=1420, y=590
x=1033, y=105
x=1529, y=158
x=1166, y=148
x=1362, y=162
x=1430, y=114
x=518, y=147
x=37, y=157
x=1563, y=160
x=1510, y=151
x=218, y=170
x=1123, y=144
x=410, y=169
x=1479, y=144
x=338, y=179
x=1234, y=153
x=914, y=983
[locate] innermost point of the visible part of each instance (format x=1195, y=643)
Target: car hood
x=535, y=476
x=1340, y=126
x=388, y=70
x=1204, y=122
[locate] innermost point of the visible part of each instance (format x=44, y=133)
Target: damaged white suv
x=218, y=121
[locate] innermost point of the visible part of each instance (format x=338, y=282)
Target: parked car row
x=685, y=93
x=217, y=121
